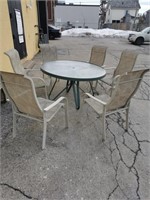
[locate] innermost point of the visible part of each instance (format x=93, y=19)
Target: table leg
x=76, y=94
x=69, y=85
x=67, y=88
x=52, y=88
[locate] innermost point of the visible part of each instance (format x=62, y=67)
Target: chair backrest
x=48, y=52
x=21, y=92
x=98, y=54
x=15, y=61
x=126, y=62
x=123, y=88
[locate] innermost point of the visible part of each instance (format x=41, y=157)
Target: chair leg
x=14, y=125
x=66, y=114
x=44, y=134
x=93, y=86
x=46, y=95
x=103, y=128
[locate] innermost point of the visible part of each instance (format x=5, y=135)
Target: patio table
x=73, y=72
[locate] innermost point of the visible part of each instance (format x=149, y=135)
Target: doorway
x=17, y=27
x=43, y=20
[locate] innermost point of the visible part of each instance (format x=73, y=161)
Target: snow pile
x=97, y=33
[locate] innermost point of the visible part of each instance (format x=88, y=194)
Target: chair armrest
x=96, y=99
x=32, y=70
x=55, y=103
x=110, y=68
x=107, y=68
x=29, y=64
x=40, y=79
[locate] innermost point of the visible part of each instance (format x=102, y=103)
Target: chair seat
x=96, y=105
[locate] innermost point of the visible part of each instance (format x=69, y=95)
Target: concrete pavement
x=76, y=165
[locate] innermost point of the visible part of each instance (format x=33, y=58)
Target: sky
x=145, y=4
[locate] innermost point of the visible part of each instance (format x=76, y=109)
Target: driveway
x=76, y=165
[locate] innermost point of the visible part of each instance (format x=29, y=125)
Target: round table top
x=73, y=70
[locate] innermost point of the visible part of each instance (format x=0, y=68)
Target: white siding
x=77, y=15
x=117, y=14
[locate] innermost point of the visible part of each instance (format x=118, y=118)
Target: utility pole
x=102, y=13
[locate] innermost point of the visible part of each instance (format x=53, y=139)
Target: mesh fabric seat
x=123, y=89
x=98, y=54
x=126, y=63
x=21, y=92
x=97, y=57
x=48, y=52
x=18, y=68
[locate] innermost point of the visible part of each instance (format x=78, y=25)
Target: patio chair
x=126, y=64
x=98, y=54
x=21, y=92
x=48, y=53
x=18, y=68
x=97, y=57
x=122, y=90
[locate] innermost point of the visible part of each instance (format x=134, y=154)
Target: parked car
x=54, y=32
x=140, y=37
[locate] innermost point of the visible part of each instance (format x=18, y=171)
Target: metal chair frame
x=21, y=92
x=122, y=90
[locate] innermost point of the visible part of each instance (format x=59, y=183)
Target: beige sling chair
x=21, y=92
x=126, y=63
x=48, y=53
x=97, y=57
x=98, y=54
x=122, y=90
x=18, y=68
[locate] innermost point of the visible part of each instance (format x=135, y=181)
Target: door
x=17, y=27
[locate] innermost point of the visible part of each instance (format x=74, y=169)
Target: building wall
x=6, y=41
x=117, y=14
x=5, y=36
x=77, y=15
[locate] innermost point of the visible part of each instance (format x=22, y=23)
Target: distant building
x=147, y=17
x=121, y=11
x=70, y=15
x=50, y=10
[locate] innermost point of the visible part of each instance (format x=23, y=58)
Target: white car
x=140, y=37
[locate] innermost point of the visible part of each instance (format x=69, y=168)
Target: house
x=20, y=22
x=147, y=17
x=119, y=11
x=74, y=15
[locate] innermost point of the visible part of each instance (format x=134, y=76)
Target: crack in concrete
x=131, y=168
x=143, y=94
x=18, y=190
x=112, y=192
x=138, y=183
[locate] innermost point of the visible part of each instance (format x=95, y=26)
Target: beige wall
x=6, y=41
